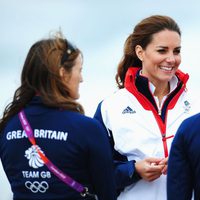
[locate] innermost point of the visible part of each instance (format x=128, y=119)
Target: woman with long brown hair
x=144, y=114
x=48, y=147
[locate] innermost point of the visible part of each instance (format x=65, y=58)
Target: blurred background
x=99, y=29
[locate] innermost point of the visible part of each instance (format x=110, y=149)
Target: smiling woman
x=150, y=104
x=160, y=60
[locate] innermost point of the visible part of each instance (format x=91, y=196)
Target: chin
x=167, y=76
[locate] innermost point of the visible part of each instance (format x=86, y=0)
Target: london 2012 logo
x=34, y=159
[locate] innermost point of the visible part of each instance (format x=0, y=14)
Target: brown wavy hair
x=40, y=75
x=142, y=35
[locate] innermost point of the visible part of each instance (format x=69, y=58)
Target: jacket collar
x=133, y=71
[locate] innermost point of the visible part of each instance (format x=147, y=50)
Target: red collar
x=132, y=71
x=131, y=87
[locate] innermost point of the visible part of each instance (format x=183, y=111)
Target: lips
x=169, y=69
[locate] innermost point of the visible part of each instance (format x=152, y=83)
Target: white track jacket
x=139, y=132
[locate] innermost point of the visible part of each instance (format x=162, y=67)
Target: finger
x=152, y=177
x=164, y=161
x=164, y=171
x=155, y=168
x=154, y=160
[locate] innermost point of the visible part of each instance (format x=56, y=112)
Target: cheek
x=76, y=82
x=153, y=59
x=153, y=62
x=178, y=60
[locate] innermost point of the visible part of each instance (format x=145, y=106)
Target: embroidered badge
x=187, y=106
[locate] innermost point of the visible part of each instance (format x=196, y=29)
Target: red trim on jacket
x=147, y=105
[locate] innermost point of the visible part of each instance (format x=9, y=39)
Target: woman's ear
x=139, y=52
x=64, y=75
x=62, y=72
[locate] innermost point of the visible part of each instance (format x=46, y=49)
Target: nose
x=171, y=58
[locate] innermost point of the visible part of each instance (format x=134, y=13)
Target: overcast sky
x=99, y=29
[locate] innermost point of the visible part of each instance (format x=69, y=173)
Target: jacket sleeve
x=179, y=177
x=101, y=164
x=125, y=173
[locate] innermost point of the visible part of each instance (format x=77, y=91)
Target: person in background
x=183, y=179
x=144, y=114
x=49, y=149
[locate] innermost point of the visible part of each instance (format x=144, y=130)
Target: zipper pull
x=159, y=111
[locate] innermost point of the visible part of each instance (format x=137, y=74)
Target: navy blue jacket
x=76, y=144
x=184, y=161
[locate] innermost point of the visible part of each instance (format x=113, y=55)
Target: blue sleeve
x=179, y=177
x=125, y=173
x=101, y=163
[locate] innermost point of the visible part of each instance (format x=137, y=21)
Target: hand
x=150, y=168
x=164, y=162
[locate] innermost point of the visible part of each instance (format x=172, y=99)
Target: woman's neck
x=161, y=90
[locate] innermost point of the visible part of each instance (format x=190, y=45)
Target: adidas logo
x=128, y=110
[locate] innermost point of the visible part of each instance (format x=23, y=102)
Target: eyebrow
x=179, y=47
